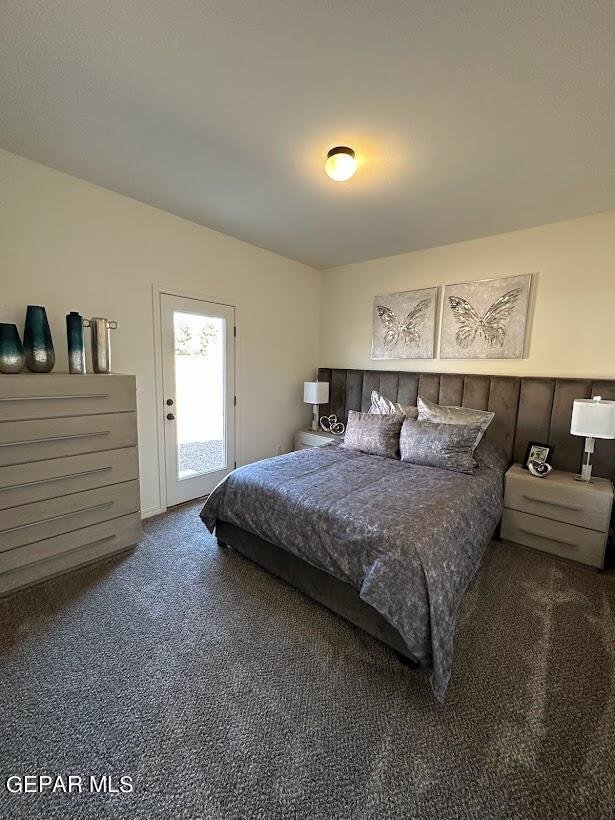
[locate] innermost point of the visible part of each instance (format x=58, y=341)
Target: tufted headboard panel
x=526, y=408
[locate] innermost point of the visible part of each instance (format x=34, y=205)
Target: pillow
x=374, y=434
x=382, y=405
x=432, y=444
x=428, y=411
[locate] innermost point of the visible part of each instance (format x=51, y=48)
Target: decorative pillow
x=433, y=444
x=374, y=434
x=428, y=411
x=383, y=406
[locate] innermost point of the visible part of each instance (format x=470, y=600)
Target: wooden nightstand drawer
x=556, y=537
x=573, y=504
x=308, y=438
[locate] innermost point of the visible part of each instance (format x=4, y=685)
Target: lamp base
x=586, y=469
x=314, y=418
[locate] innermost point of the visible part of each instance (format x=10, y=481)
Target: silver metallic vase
x=101, y=343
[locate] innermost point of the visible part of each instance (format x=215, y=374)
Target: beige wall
x=70, y=245
x=571, y=328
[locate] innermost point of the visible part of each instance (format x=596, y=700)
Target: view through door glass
x=199, y=393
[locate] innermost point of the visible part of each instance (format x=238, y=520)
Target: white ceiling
x=469, y=118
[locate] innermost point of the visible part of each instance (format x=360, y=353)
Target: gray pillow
x=441, y=414
x=374, y=434
x=381, y=405
x=446, y=446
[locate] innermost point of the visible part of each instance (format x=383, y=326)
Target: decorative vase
x=76, y=343
x=38, y=346
x=101, y=342
x=12, y=357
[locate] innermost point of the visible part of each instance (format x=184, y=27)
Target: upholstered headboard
x=526, y=408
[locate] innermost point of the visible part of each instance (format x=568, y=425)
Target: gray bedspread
x=409, y=538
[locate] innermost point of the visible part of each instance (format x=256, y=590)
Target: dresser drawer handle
x=549, y=538
x=58, y=517
x=55, y=398
x=55, y=438
x=57, y=478
x=558, y=504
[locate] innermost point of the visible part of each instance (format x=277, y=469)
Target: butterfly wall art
x=485, y=319
x=404, y=325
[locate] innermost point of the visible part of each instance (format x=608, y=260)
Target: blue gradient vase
x=76, y=343
x=12, y=357
x=37, y=343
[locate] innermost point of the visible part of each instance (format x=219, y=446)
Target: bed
x=408, y=538
x=391, y=546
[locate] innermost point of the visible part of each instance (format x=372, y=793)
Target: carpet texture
x=226, y=694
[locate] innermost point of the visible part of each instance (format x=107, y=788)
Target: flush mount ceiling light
x=340, y=164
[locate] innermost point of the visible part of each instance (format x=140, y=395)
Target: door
x=198, y=376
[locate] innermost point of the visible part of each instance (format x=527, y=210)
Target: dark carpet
x=224, y=693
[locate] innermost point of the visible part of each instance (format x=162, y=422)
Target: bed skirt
x=332, y=593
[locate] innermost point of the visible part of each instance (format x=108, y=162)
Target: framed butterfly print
x=404, y=325
x=485, y=319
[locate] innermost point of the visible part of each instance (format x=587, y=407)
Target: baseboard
x=148, y=512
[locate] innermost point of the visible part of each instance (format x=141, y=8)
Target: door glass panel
x=199, y=393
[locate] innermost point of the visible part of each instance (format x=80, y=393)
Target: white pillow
x=383, y=406
x=442, y=414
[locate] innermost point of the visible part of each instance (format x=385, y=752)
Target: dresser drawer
x=556, y=537
x=44, y=519
x=574, y=504
x=22, y=442
x=24, y=484
x=107, y=532
x=27, y=565
x=44, y=396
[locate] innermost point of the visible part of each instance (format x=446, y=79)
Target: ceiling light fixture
x=340, y=164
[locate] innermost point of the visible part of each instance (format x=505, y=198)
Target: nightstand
x=311, y=438
x=558, y=514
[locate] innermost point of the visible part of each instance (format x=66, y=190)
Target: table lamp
x=315, y=393
x=592, y=418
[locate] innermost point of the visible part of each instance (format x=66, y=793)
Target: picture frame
x=537, y=451
x=404, y=324
x=486, y=318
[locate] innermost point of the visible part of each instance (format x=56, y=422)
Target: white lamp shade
x=593, y=418
x=316, y=392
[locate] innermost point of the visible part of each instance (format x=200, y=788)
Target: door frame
x=157, y=291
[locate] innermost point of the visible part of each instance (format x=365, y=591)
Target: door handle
x=170, y=416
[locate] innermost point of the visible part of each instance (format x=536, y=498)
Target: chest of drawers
x=69, y=470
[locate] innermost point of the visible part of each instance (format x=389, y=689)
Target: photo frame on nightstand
x=536, y=451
